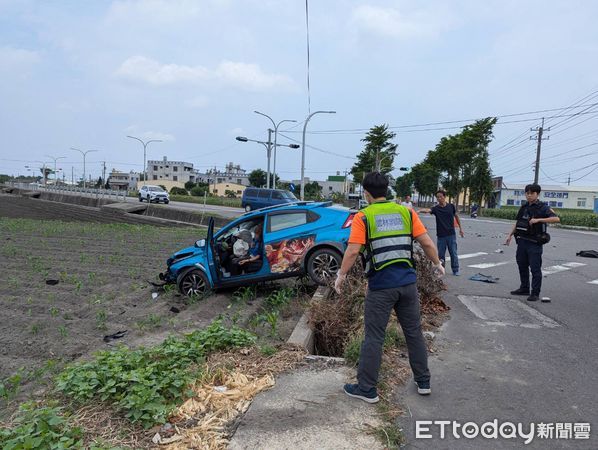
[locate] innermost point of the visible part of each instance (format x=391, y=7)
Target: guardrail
x=75, y=190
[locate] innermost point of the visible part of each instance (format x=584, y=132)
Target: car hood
x=185, y=253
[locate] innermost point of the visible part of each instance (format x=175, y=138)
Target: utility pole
x=539, y=137
x=569, y=179
x=72, y=176
x=104, y=173
x=269, y=150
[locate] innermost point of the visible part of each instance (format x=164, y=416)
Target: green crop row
x=147, y=383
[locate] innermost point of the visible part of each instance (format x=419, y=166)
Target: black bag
x=543, y=238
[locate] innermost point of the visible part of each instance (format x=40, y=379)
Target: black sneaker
x=423, y=387
x=533, y=298
x=352, y=390
x=520, y=291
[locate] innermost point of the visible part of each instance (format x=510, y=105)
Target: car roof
x=294, y=206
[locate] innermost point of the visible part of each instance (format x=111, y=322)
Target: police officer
x=384, y=232
x=530, y=234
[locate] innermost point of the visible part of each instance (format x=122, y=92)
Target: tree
x=199, y=191
x=230, y=194
x=190, y=185
x=313, y=191
x=378, y=151
x=99, y=183
x=257, y=178
x=403, y=185
x=107, y=186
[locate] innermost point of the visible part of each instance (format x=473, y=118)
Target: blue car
x=257, y=198
x=285, y=241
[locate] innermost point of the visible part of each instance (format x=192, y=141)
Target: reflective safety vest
x=389, y=240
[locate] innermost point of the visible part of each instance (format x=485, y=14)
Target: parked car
x=256, y=198
x=152, y=193
x=301, y=238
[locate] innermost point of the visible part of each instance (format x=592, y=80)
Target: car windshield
x=289, y=195
x=156, y=189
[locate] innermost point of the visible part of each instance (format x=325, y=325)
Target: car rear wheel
x=193, y=283
x=166, y=202
x=323, y=264
x=149, y=200
x=247, y=208
x=140, y=198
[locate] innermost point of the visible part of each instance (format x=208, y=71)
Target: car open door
x=210, y=251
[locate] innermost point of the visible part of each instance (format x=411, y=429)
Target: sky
x=86, y=74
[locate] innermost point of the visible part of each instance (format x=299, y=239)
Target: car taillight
x=349, y=220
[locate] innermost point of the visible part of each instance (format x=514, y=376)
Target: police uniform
x=386, y=232
x=530, y=240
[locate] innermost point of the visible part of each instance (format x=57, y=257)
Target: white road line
x=488, y=265
x=593, y=282
x=468, y=255
x=560, y=268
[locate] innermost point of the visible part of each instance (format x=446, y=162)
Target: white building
x=231, y=174
x=122, y=180
x=170, y=173
x=574, y=197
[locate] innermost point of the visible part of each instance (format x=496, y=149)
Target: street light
x=144, y=152
x=55, y=159
x=275, y=140
x=84, y=153
x=303, y=149
x=268, y=148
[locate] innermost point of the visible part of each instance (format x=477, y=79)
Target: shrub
x=198, y=191
x=147, y=383
x=178, y=191
x=42, y=427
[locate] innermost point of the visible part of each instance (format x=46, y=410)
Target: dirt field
x=101, y=271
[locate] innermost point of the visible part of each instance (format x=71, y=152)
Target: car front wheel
x=193, y=283
x=166, y=202
x=247, y=208
x=140, y=198
x=323, y=264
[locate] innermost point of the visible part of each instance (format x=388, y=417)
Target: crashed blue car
x=283, y=240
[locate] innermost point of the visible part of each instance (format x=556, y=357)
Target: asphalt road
x=222, y=211
x=501, y=357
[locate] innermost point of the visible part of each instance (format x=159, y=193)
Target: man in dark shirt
x=529, y=241
x=446, y=216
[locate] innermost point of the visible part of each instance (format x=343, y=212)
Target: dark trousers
x=529, y=257
x=378, y=306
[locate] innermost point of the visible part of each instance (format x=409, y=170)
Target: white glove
x=439, y=269
x=340, y=278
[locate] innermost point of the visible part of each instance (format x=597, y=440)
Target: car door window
x=264, y=194
x=276, y=196
x=283, y=221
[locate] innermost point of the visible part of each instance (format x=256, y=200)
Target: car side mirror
x=200, y=243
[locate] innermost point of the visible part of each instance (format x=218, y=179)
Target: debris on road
x=52, y=282
x=484, y=278
x=588, y=253
x=155, y=295
x=114, y=336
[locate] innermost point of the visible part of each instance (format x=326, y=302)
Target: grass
x=219, y=201
x=569, y=216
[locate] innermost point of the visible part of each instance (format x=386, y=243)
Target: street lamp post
x=275, y=141
x=55, y=159
x=268, y=148
x=84, y=153
x=303, y=149
x=144, y=153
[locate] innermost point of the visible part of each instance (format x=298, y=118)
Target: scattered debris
x=157, y=283
x=499, y=250
x=429, y=335
x=52, y=282
x=546, y=299
x=588, y=253
x=174, y=309
x=114, y=336
x=484, y=278
x=220, y=389
x=155, y=295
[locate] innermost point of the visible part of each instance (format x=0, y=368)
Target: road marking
x=560, y=268
x=593, y=282
x=499, y=311
x=468, y=255
x=488, y=265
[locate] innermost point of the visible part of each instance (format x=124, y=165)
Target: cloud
x=236, y=74
x=133, y=130
x=197, y=102
x=18, y=58
x=391, y=22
